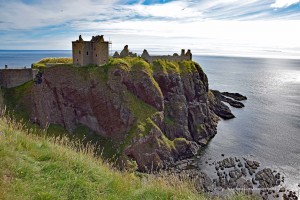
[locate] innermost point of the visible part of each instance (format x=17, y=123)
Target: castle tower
x=182, y=52
x=189, y=54
x=95, y=52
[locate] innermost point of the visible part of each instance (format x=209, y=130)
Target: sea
x=267, y=129
x=24, y=58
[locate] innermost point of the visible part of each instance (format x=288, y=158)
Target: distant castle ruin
x=175, y=57
x=94, y=52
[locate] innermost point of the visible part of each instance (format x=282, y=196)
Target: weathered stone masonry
x=14, y=77
x=94, y=52
x=175, y=57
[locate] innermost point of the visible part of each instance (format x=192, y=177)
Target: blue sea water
x=267, y=129
x=24, y=58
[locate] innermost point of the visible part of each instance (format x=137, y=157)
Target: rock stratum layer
x=156, y=114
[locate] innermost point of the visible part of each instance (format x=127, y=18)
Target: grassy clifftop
x=42, y=63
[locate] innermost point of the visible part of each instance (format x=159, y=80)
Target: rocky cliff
x=156, y=114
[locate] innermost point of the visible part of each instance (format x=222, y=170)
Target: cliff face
x=157, y=113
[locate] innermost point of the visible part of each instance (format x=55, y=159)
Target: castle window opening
x=79, y=52
x=87, y=53
x=96, y=55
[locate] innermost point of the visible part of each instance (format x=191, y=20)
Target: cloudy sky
x=225, y=27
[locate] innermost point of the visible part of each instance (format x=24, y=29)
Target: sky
x=260, y=28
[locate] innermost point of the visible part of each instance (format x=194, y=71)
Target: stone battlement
x=10, y=78
x=175, y=57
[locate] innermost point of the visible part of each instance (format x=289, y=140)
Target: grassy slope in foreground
x=35, y=167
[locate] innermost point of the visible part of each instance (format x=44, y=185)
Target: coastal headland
x=152, y=113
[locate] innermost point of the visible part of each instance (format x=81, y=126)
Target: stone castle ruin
x=94, y=52
x=175, y=57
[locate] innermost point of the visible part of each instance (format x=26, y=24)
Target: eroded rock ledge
x=234, y=99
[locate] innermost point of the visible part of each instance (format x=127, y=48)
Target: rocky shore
x=218, y=106
x=233, y=174
x=234, y=99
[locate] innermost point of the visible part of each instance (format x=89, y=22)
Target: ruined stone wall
x=82, y=53
x=150, y=59
x=87, y=54
x=14, y=77
x=175, y=57
x=126, y=53
x=100, y=53
x=77, y=48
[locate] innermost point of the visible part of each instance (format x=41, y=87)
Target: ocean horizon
x=24, y=58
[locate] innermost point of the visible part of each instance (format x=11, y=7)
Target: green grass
x=17, y=100
x=56, y=60
x=42, y=63
x=36, y=167
x=182, y=67
x=143, y=123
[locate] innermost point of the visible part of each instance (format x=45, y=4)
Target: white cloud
x=206, y=36
x=284, y=3
x=205, y=26
x=176, y=9
x=18, y=15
